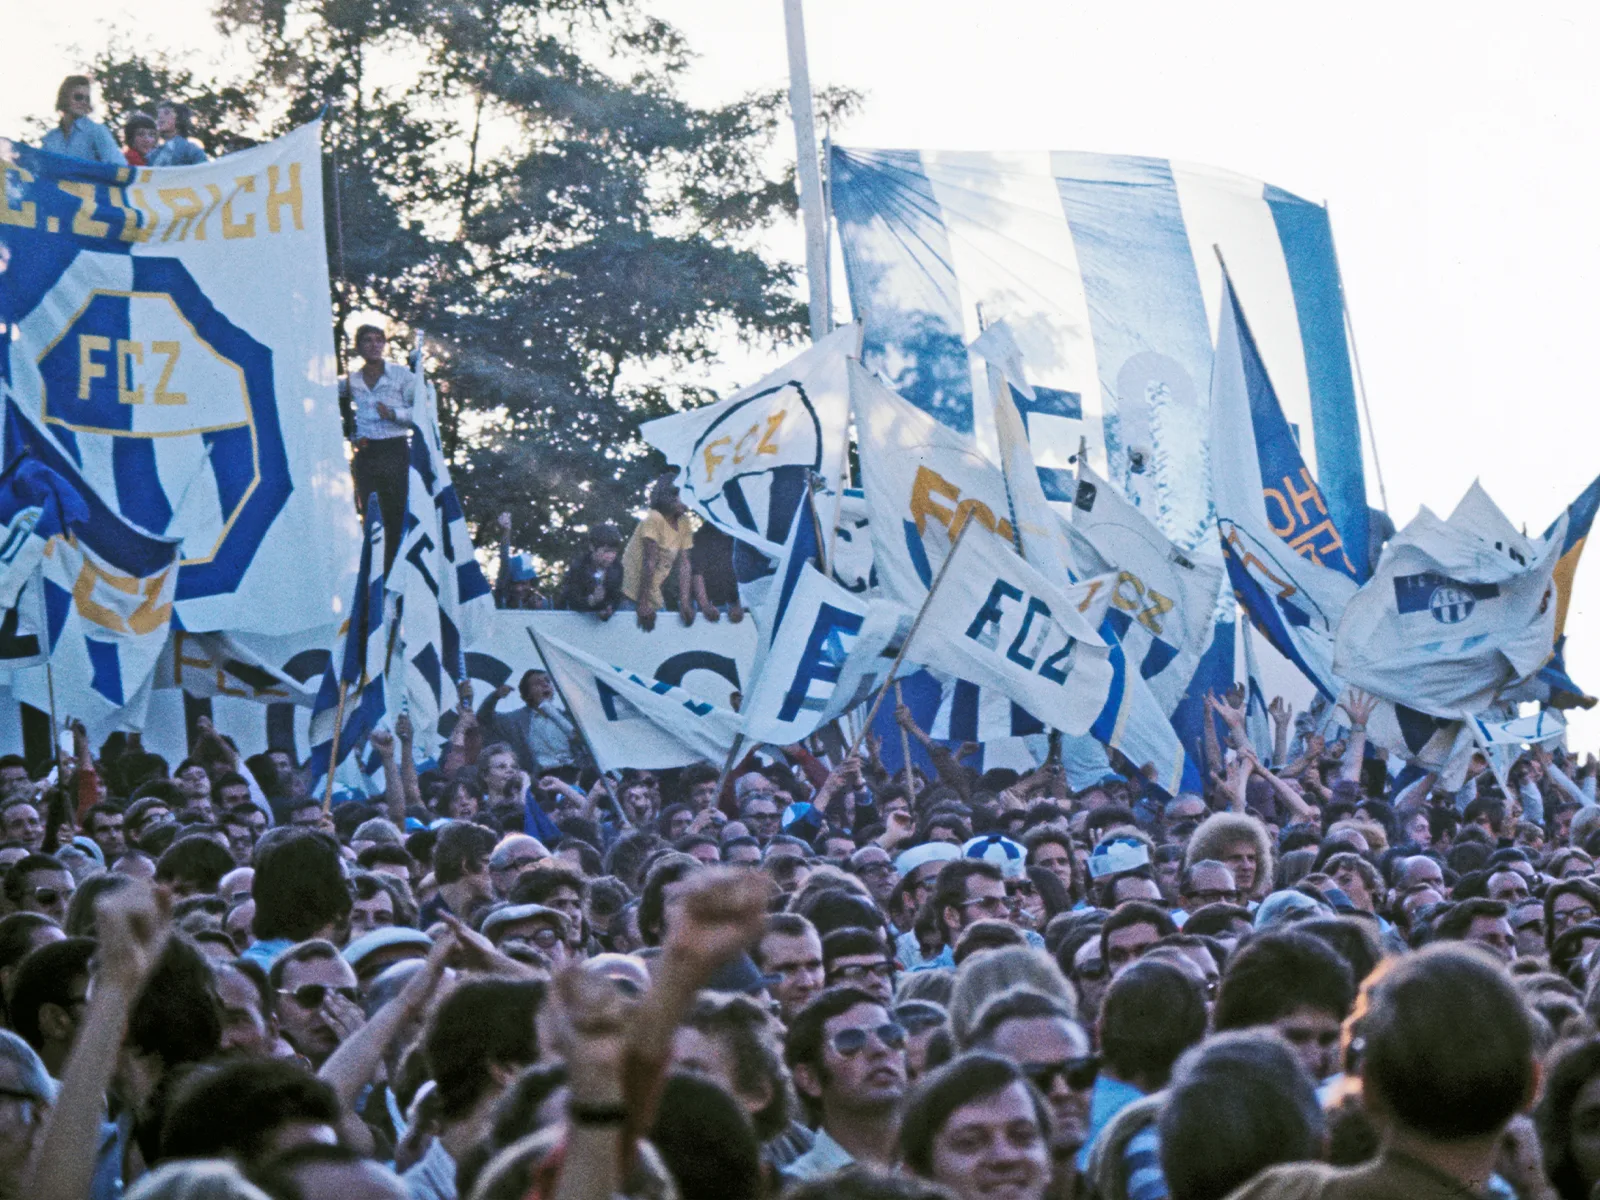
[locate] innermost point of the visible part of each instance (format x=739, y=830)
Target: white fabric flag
x=1037, y=526
x=1457, y=610
x=238, y=665
x=922, y=481
x=830, y=652
x=745, y=459
x=632, y=720
x=1163, y=601
x=998, y=622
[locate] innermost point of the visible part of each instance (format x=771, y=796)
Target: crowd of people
x=509, y=977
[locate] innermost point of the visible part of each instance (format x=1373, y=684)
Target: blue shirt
x=86, y=139
x=1141, y=1159
x=177, y=151
x=1110, y=1096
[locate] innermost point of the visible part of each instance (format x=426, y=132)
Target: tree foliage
x=521, y=179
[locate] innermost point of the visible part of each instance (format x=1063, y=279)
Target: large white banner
x=171, y=329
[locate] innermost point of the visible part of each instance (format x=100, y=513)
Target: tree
x=521, y=179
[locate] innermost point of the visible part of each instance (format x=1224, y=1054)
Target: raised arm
x=394, y=789
x=1359, y=706
x=1282, y=714
x=134, y=923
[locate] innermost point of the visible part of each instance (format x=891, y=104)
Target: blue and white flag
x=1456, y=611
x=36, y=504
x=998, y=622
x=104, y=602
x=634, y=720
x=354, y=680
x=171, y=328
x=922, y=482
x=1163, y=599
x=1103, y=266
x=1291, y=568
x=1036, y=525
x=445, y=603
x=746, y=460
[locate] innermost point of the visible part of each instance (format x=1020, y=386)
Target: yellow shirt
x=670, y=539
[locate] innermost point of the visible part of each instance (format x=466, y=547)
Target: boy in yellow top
x=659, y=545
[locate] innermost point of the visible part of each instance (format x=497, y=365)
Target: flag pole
x=905, y=744
x=578, y=725
x=916, y=623
x=727, y=764
x=55, y=733
x=808, y=171
x=333, y=751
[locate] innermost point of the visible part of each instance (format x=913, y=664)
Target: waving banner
x=745, y=460
x=170, y=328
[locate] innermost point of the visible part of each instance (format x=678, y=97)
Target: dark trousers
x=383, y=466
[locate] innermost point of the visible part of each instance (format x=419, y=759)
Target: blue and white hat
x=1116, y=856
x=1004, y=853
x=925, y=852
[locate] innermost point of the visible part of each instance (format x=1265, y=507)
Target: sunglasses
x=49, y=895
x=1019, y=887
x=311, y=995
x=850, y=1042
x=1079, y=1073
x=862, y=971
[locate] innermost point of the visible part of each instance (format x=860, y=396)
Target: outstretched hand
x=134, y=923
x=1358, y=706
x=714, y=914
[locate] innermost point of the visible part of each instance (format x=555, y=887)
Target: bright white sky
x=1457, y=150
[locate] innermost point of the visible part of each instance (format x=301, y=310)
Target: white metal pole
x=810, y=174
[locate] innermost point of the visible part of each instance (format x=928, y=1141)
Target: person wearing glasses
x=1206, y=882
x=966, y=890
x=848, y=1059
x=855, y=957
x=318, y=999
x=1038, y=1033
x=40, y=884
x=75, y=134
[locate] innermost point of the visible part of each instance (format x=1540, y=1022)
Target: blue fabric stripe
x=1138, y=271
x=1213, y=674
x=106, y=665
x=902, y=279
x=1306, y=236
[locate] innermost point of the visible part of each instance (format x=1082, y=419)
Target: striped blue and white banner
x=1104, y=268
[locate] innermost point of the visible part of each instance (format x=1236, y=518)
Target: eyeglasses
x=1079, y=1073
x=311, y=995
x=1212, y=896
x=862, y=971
x=1573, y=916
x=1018, y=888
x=49, y=896
x=1092, y=971
x=851, y=1042
x=992, y=905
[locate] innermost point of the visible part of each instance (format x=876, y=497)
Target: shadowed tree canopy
x=521, y=179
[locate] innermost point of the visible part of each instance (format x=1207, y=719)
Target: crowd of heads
x=948, y=982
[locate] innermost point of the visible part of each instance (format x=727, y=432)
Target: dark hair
x=1564, y=887
x=194, y=859
x=1453, y=925
x=706, y=1141
x=858, y=1182
x=233, y=1109
x=668, y=869
x=851, y=940
x=1279, y=972
x=177, y=1017
x=1151, y=1014
x=461, y=849
x=315, y=950
x=941, y=1093
x=482, y=1024
x=299, y=885
x=17, y=876
x=537, y=884
x=988, y=933
x=1239, y=1103
x=1570, y=1066
x=802, y=1043
x=1351, y=938
x=361, y=330
x=746, y=1029
x=1136, y=912
x=950, y=886
x=63, y=104
x=1449, y=1049
x=45, y=977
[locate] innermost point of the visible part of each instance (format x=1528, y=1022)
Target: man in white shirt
x=381, y=393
